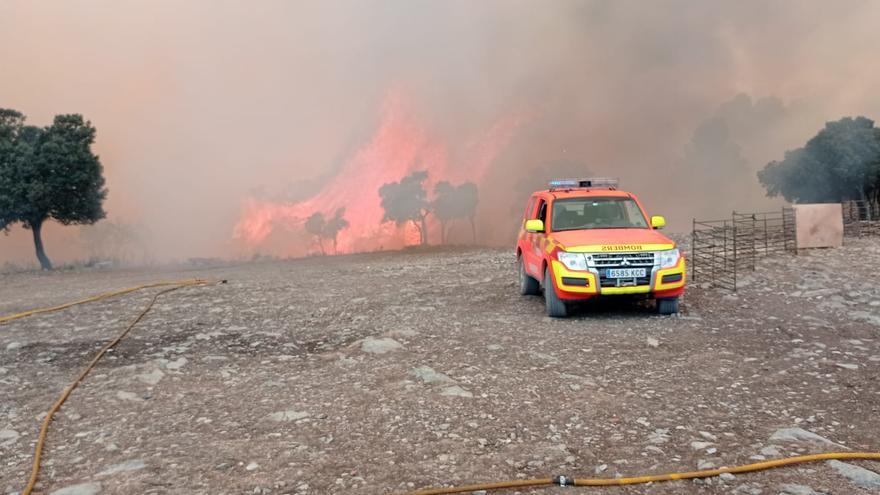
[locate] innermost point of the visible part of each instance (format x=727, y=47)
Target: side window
x=530, y=209
x=542, y=211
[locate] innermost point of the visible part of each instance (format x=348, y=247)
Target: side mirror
x=534, y=225
x=658, y=222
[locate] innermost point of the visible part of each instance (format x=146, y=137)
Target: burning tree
x=315, y=225
x=842, y=162
x=323, y=228
x=406, y=201
x=454, y=203
x=48, y=173
x=334, y=225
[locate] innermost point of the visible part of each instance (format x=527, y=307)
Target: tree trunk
x=473, y=230
x=442, y=232
x=424, y=231
x=321, y=245
x=36, y=228
x=866, y=202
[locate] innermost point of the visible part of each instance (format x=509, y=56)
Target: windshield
x=597, y=213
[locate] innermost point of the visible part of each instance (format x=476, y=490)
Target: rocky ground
x=382, y=373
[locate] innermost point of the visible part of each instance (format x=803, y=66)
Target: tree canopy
x=840, y=163
x=453, y=202
x=335, y=224
x=406, y=201
x=323, y=228
x=48, y=173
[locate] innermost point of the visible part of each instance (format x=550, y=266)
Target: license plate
x=625, y=272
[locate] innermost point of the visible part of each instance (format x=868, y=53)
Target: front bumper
x=574, y=285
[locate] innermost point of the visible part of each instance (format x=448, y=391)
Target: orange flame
x=400, y=146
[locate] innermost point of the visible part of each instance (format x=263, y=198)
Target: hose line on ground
x=41, y=440
x=707, y=473
x=99, y=297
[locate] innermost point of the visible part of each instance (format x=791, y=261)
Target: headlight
x=573, y=261
x=668, y=259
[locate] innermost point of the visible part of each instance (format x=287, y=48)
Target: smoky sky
x=202, y=104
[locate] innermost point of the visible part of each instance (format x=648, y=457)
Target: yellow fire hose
x=558, y=481
x=99, y=297
x=41, y=440
x=637, y=480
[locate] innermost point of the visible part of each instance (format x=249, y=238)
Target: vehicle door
x=534, y=252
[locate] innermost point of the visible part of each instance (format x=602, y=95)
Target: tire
x=556, y=307
x=667, y=306
x=528, y=286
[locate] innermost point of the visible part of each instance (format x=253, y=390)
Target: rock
x=176, y=365
x=80, y=489
x=429, y=375
x=770, y=451
x=8, y=437
x=151, y=378
x=847, y=366
x=700, y=445
x=456, y=391
x=859, y=476
x=708, y=436
x=252, y=466
x=652, y=342
x=749, y=489
x=121, y=395
x=659, y=436
x=380, y=346
x=290, y=415
x=132, y=465
x=727, y=476
x=13, y=346
x=544, y=357
x=866, y=317
x=801, y=435
x=795, y=489
x=494, y=347
x=705, y=464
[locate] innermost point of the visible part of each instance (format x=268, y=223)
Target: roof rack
x=584, y=183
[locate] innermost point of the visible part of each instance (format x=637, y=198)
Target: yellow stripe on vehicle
x=559, y=271
x=679, y=268
x=638, y=289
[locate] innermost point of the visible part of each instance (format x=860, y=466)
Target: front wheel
x=528, y=286
x=668, y=306
x=556, y=307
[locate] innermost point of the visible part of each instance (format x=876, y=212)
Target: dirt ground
x=386, y=372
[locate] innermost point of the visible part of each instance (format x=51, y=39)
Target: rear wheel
x=555, y=307
x=668, y=306
x=528, y=286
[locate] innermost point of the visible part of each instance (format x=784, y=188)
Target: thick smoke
x=205, y=107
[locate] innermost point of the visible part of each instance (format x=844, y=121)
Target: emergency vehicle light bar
x=589, y=182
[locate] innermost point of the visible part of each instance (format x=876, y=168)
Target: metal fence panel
x=721, y=248
x=861, y=218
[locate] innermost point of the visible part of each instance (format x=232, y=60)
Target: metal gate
x=861, y=218
x=722, y=248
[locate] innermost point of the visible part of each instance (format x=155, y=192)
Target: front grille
x=623, y=260
x=604, y=261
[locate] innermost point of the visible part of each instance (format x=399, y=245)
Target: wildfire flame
x=400, y=145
